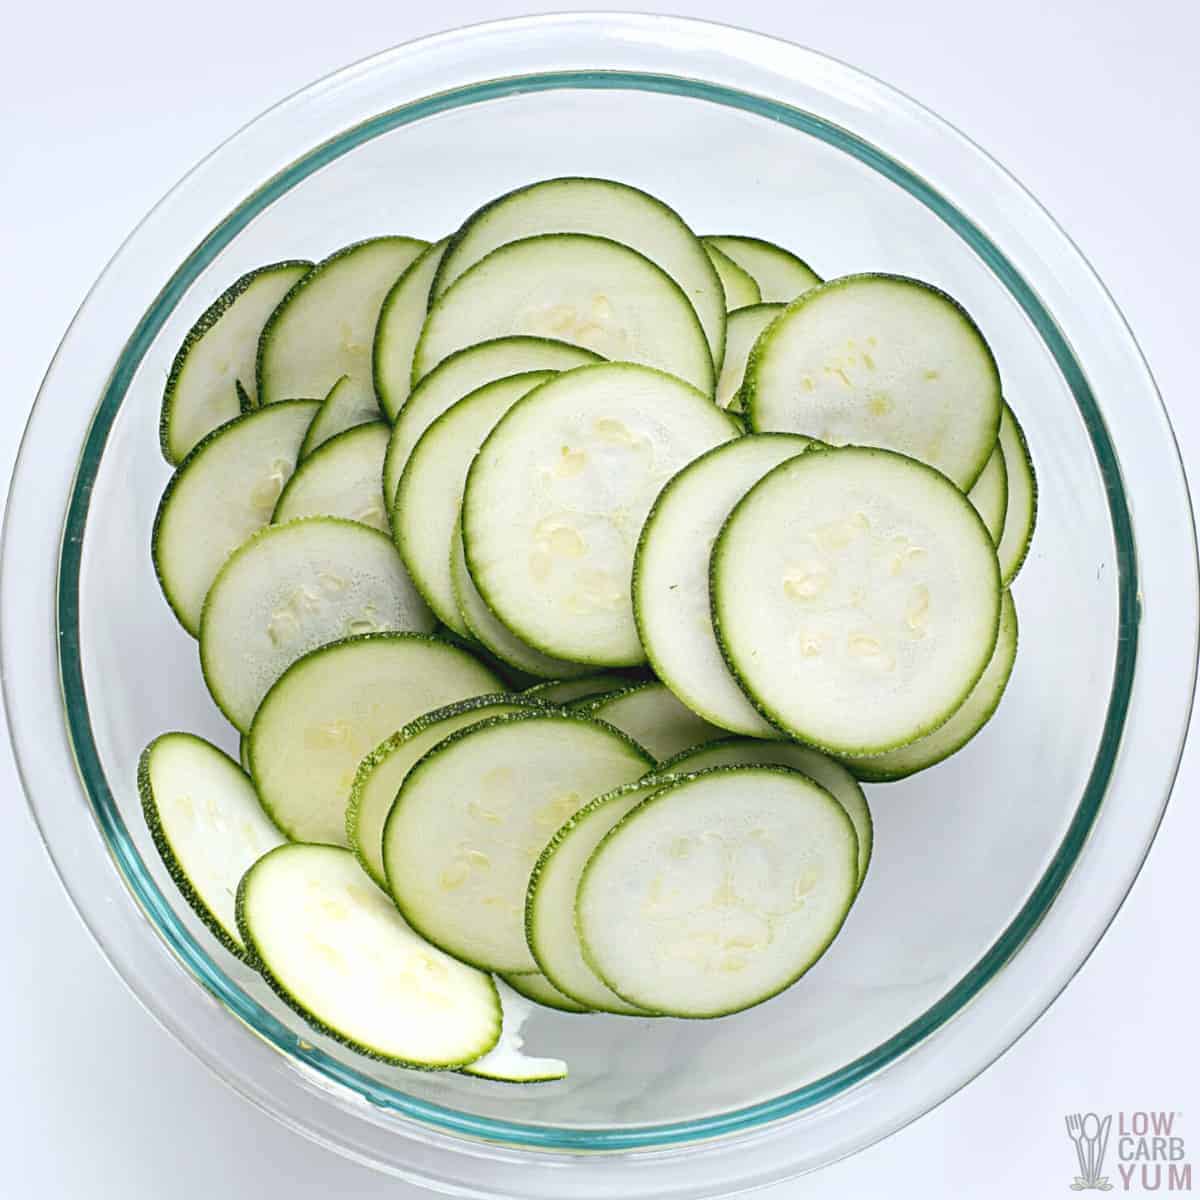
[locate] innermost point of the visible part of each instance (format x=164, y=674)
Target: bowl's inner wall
x=958, y=849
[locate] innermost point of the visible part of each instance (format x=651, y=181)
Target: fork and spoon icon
x=1090, y=1136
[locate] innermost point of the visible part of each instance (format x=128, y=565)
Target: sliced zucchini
x=513, y=678
x=972, y=715
x=461, y=374
x=602, y=208
x=856, y=597
x=429, y=498
x=1021, y=513
x=212, y=377
x=828, y=772
x=332, y=707
x=343, y=408
x=290, y=589
x=719, y=891
x=207, y=825
x=382, y=771
x=990, y=494
x=473, y=815
x=880, y=360
x=324, y=327
x=654, y=718
x=588, y=291
x=536, y=987
x=556, y=498
x=670, y=576
x=492, y=633
x=224, y=491
x=507, y=1061
x=738, y=285
x=337, y=952
x=340, y=479
x=564, y=691
x=550, y=901
x=780, y=275
x=400, y=322
x=741, y=332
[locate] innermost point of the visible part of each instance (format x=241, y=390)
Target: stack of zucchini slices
x=563, y=579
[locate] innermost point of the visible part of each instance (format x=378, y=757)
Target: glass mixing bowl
x=994, y=874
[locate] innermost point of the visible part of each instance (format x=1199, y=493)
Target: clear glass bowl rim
x=198, y=961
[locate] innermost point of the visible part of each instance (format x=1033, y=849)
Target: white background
x=1093, y=104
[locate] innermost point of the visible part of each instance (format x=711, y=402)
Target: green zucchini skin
x=571, y=693
x=1014, y=546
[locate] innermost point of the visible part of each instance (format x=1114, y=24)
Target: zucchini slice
x=990, y=494
x=224, y=491
x=588, y=291
x=536, y=987
x=332, y=707
x=566, y=691
x=340, y=479
x=856, y=597
x=719, y=891
x=400, y=322
x=207, y=825
x=380, y=773
x=336, y=951
x=507, y=1061
x=343, y=408
x=557, y=496
x=971, y=716
x=290, y=589
x=779, y=274
x=429, y=498
x=880, y=360
x=212, y=377
x=602, y=208
x=473, y=815
x=742, y=331
x=654, y=718
x=738, y=285
x=1021, y=514
x=550, y=901
x=820, y=768
x=324, y=327
x=460, y=375
x=492, y=633
x=670, y=576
